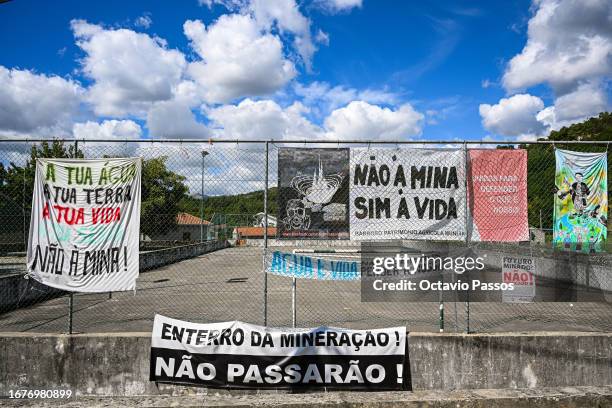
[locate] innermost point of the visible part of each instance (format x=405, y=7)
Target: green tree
x=17, y=184
x=162, y=190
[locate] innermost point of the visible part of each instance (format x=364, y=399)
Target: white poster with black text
x=407, y=194
x=241, y=355
x=84, y=230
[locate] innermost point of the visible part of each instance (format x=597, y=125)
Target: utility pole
x=204, y=154
x=265, y=249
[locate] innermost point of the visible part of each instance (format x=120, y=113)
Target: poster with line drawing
x=313, y=193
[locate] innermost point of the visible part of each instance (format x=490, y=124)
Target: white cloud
x=266, y=119
x=288, y=18
x=335, y=6
x=173, y=119
x=14, y=152
x=486, y=83
x=130, y=70
x=569, y=47
x=108, y=129
x=588, y=100
x=324, y=98
x=568, y=41
x=36, y=103
x=237, y=59
x=229, y=4
x=322, y=37
x=283, y=15
x=262, y=120
x=144, y=21
x=513, y=116
x=525, y=116
x=360, y=120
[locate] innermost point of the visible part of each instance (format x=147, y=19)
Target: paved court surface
x=228, y=285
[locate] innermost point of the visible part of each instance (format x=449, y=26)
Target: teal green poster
x=581, y=201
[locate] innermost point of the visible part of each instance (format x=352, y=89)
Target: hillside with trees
x=243, y=204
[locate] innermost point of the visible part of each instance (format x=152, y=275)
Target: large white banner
x=407, y=194
x=84, y=230
x=241, y=355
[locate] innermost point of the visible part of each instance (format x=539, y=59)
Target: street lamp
x=204, y=154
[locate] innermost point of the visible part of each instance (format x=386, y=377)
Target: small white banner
x=520, y=271
x=311, y=267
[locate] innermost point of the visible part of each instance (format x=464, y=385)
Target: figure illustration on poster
x=579, y=192
x=580, y=200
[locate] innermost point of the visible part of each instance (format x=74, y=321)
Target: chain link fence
x=204, y=242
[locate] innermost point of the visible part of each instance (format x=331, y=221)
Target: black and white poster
x=407, y=194
x=313, y=193
x=241, y=355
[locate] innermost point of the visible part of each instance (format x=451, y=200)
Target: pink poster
x=499, y=195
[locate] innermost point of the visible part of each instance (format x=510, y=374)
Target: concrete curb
x=568, y=397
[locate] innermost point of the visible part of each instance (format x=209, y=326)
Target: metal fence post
x=204, y=153
x=265, y=251
x=294, y=302
x=467, y=226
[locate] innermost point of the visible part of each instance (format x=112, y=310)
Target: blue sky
x=336, y=69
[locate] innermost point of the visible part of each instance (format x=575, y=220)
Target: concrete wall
x=510, y=360
x=16, y=292
x=109, y=364
x=154, y=259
